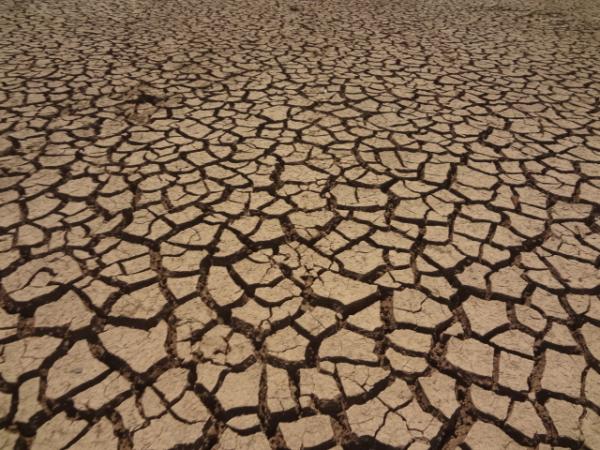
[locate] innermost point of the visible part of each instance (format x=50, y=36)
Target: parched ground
x=254, y=225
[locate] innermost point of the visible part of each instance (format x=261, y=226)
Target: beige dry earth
x=286, y=225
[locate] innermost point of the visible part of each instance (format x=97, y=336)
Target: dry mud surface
x=299, y=225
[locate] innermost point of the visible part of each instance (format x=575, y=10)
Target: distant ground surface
x=299, y=225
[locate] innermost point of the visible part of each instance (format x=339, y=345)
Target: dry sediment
x=299, y=225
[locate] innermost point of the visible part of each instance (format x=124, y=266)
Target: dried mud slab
x=299, y=225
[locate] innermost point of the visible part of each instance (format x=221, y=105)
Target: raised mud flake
x=172, y=383
x=584, y=305
x=193, y=129
x=78, y=366
x=287, y=345
x=283, y=292
x=307, y=432
x=348, y=346
x=411, y=340
x=562, y=373
x=471, y=356
x=8, y=439
x=5, y=403
x=102, y=393
x=268, y=230
x=222, y=346
x=178, y=259
x=489, y=402
x=514, y=371
x=69, y=311
x=257, y=269
x=139, y=349
x=413, y=210
x=301, y=173
x=421, y=425
x=130, y=271
x=589, y=428
x=10, y=215
x=221, y=286
x=561, y=335
x=79, y=188
x=366, y=419
x=100, y=435
x=368, y=319
x=530, y=318
x=474, y=276
x=318, y=385
x=245, y=423
x=362, y=258
x=515, y=341
x=266, y=318
x=190, y=409
x=317, y=320
x=485, y=315
x=240, y=389
x=413, y=307
x=591, y=335
x=275, y=113
x=143, y=303
x=191, y=317
x=199, y=235
x=524, y=418
x=279, y=395
x=333, y=242
x=147, y=223
x=437, y=286
x=576, y=274
x=565, y=417
x=440, y=390
x=351, y=197
x=509, y=282
x=98, y=291
x=28, y=400
x=230, y=440
x=484, y=435
x=393, y=417
x=447, y=256
x=358, y=379
x=41, y=276
x=346, y=291
x=308, y=224
x=474, y=178
x=28, y=235
x=131, y=414
x=58, y=432
x=592, y=387
x=25, y=355
x=8, y=257
x=388, y=120
x=406, y=364
x=166, y=430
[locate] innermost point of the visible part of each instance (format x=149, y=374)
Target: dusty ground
x=299, y=225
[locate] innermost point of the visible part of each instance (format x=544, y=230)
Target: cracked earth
x=299, y=225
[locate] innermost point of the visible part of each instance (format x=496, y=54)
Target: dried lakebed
x=312, y=225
